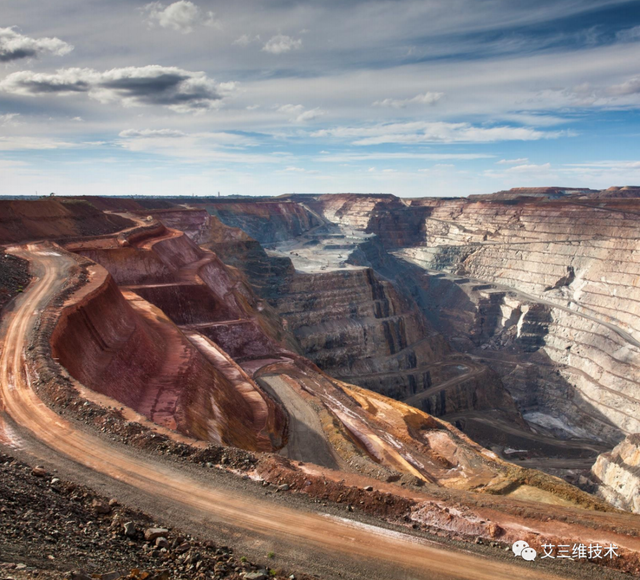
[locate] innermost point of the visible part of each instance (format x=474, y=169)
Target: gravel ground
x=14, y=277
x=55, y=528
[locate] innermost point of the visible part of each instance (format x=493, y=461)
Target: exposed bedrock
x=388, y=216
x=192, y=286
x=358, y=328
x=569, y=273
x=354, y=323
x=165, y=275
x=266, y=221
x=133, y=353
x=617, y=192
x=365, y=430
x=617, y=474
x=185, y=377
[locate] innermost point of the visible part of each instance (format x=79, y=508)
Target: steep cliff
x=357, y=327
x=130, y=351
x=617, y=474
x=396, y=222
x=352, y=322
x=266, y=221
x=567, y=272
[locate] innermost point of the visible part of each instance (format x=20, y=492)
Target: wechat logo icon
x=522, y=549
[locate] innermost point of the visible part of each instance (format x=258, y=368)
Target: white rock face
x=579, y=261
x=618, y=474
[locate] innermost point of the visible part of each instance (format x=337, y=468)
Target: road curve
x=374, y=550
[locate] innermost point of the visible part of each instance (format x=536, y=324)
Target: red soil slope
x=130, y=351
x=54, y=219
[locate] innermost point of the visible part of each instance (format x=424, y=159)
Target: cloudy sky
x=412, y=97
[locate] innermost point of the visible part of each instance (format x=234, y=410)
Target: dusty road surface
x=330, y=546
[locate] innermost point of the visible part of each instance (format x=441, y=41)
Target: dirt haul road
x=336, y=546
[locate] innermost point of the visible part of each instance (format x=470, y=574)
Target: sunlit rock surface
x=617, y=474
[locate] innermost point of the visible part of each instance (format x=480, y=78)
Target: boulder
x=152, y=534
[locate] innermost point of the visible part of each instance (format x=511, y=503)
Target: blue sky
x=412, y=97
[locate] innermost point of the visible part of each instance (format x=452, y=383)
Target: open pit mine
x=321, y=386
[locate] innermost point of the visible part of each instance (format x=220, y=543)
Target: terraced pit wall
x=352, y=323
x=266, y=221
x=132, y=349
x=565, y=278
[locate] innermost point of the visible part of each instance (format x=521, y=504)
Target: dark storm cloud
x=180, y=90
x=37, y=87
x=140, y=87
x=7, y=55
x=168, y=89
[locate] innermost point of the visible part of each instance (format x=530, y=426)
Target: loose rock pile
x=53, y=528
x=14, y=277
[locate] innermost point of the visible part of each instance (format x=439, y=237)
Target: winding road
x=334, y=546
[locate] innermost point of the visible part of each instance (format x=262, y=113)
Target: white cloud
x=151, y=133
x=193, y=147
x=8, y=119
x=6, y=164
x=179, y=90
x=309, y=115
x=17, y=143
x=524, y=171
x=15, y=46
x=518, y=161
x=530, y=168
x=403, y=155
x=212, y=139
x=180, y=16
x=630, y=87
x=606, y=165
x=427, y=98
x=629, y=35
x=298, y=114
x=281, y=43
x=435, y=132
x=301, y=170
x=246, y=40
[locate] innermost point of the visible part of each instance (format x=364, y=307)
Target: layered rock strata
x=349, y=321
x=358, y=328
x=566, y=274
x=396, y=222
x=117, y=343
x=617, y=474
x=267, y=221
x=140, y=357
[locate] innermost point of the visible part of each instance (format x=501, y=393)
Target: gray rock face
x=357, y=327
x=266, y=221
